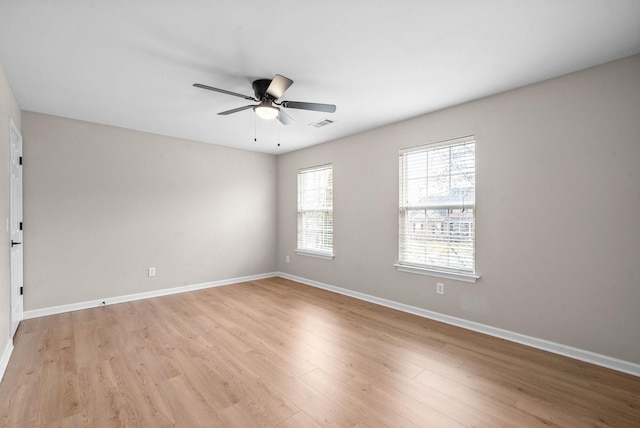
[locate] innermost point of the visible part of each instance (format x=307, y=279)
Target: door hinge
x=21, y=291
x=20, y=160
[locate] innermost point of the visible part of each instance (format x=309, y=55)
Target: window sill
x=312, y=254
x=466, y=277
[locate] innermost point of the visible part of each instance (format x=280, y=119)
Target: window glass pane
x=437, y=206
x=315, y=210
x=317, y=228
x=416, y=191
x=416, y=163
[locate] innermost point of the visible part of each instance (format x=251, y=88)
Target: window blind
x=437, y=206
x=315, y=210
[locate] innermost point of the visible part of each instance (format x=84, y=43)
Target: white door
x=15, y=227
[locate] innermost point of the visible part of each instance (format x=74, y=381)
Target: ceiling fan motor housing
x=260, y=89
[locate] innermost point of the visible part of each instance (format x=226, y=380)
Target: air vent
x=322, y=123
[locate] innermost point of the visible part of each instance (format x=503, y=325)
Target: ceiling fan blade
x=235, y=110
x=278, y=85
x=284, y=118
x=328, y=108
x=224, y=91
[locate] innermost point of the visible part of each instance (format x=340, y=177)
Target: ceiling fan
x=267, y=93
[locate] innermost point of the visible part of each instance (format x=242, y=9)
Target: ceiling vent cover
x=322, y=123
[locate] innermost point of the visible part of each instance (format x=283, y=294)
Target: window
x=315, y=211
x=437, y=209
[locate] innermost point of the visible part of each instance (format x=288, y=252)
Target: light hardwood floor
x=277, y=353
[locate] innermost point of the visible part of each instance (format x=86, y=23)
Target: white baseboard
x=545, y=345
x=53, y=310
x=4, y=361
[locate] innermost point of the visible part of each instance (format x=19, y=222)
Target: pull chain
x=255, y=126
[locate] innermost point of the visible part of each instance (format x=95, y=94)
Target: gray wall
x=558, y=209
x=8, y=109
x=102, y=204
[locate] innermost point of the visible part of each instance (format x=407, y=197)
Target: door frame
x=15, y=229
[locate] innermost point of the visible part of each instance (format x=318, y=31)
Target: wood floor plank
x=490, y=399
x=526, y=384
x=322, y=409
x=276, y=353
x=187, y=406
x=298, y=420
x=18, y=407
x=372, y=412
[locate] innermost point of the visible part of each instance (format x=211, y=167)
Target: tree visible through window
x=315, y=210
x=437, y=206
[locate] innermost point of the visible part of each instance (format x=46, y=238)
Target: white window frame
x=467, y=275
x=306, y=241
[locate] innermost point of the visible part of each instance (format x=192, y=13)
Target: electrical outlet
x=440, y=288
x=152, y=271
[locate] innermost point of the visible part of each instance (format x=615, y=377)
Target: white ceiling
x=132, y=63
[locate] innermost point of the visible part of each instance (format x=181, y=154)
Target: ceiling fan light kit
x=266, y=110
x=267, y=92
